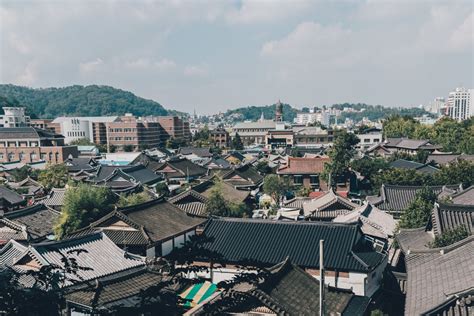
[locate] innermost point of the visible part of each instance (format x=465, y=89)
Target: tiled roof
x=304, y=165
x=230, y=193
x=78, y=164
x=465, y=197
x=297, y=202
x=374, y=221
x=182, y=168
x=250, y=173
x=138, y=174
x=327, y=203
x=270, y=242
x=17, y=133
x=414, y=239
x=10, y=196
x=435, y=276
x=10, y=252
x=397, y=198
x=407, y=164
x=406, y=143
x=120, y=288
x=38, y=219
x=450, y=216
x=55, y=198
x=102, y=256
x=11, y=230
x=191, y=202
x=200, y=152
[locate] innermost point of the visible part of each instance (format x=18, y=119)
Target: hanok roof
x=413, y=165
x=10, y=230
x=136, y=174
x=464, y=197
x=437, y=275
x=181, y=168
x=330, y=203
x=230, y=193
x=286, y=289
x=191, y=202
x=397, y=198
x=122, y=288
x=101, y=255
x=412, y=144
x=414, y=239
x=55, y=198
x=11, y=196
x=10, y=252
x=304, y=165
x=297, y=202
x=270, y=242
x=374, y=221
x=142, y=224
x=450, y=216
x=446, y=158
x=244, y=177
x=198, y=151
x=18, y=133
x=80, y=164
x=38, y=220
x=33, y=186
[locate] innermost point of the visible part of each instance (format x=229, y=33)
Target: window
x=314, y=180
x=11, y=156
x=298, y=179
x=33, y=156
x=43, y=156
x=22, y=156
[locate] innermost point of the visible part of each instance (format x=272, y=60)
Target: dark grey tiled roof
x=55, y=198
x=26, y=133
x=191, y=202
x=465, y=197
x=137, y=174
x=10, y=252
x=270, y=242
x=11, y=230
x=117, y=289
x=230, y=193
x=414, y=239
x=38, y=219
x=287, y=289
x=10, y=196
x=406, y=164
x=397, y=198
x=201, y=152
x=450, y=216
x=184, y=168
x=297, y=202
x=435, y=276
x=78, y=164
x=443, y=159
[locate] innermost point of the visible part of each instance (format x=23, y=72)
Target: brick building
x=173, y=127
x=28, y=144
x=131, y=131
x=220, y=137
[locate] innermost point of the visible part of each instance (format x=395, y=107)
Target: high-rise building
x=460, y=104
x=436, y=105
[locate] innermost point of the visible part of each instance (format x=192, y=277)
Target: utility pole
x=321, y=278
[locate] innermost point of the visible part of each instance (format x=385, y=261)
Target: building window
x=298, y=179
x=314, y=180
x=22, y=156
x=11, y=156
x=33, y=156
x=43, y=156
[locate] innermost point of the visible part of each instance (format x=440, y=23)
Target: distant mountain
x=78, y=100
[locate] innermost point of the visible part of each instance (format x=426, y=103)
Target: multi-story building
x=135, y=132
x=321, y=116
x=44, y=124
x=27, y=144
x=14, y=117
x=313, y=136
x=370, y=138
x=93, y=128
x=220, y=137
x=460, y=104
x=253, y=132
x=436, y=105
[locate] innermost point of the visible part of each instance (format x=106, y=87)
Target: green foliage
x=82, y=205
x=275, y=186
x=419, y=211
x=82, y=142
x=461, y=171
x=173, y=143
x=399, y=126
x=263, y=167
x=132, y=199
x=370, y=167
x=54, y=176
x=450, y=237
x=217, y=205
x=127, y=148
x=21, y=174
x=78, y=100
x=162, y=189
x=236, y=143
x=376, y=312
x=402, y=177
x=341, y=154
x=254, y=113
x=303, y=191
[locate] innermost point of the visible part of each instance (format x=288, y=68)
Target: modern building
x=136, y=133
x=14, y=117
x=304, y=171
x=173, y=127
x=220, y=137
x=313, y=116
x=436, y=105
x=370, y=138
x=93, y=128
x=313, y=136
x=253, y=132
x=460, y=104
x=27, y=144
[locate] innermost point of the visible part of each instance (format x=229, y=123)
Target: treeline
x=78, y=100
x=453, y=136
x=254, y=113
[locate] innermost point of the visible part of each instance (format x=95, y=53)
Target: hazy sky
x=215, y=55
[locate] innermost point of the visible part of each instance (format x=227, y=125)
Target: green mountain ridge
x=91, y=100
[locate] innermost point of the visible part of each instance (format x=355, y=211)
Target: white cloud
x=196, y=71
x=90, y=66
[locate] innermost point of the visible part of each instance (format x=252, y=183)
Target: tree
x=419, y=211
x=218, y=205
x=54, y=176
x=399, y=126
x=263, y=167
x=236, y=143
x=82, y=142
x=450, y=237
x=370, y=167
x=275, y=186
x=398, y=176
x=341, y=154
x=128, y=148
x=82, y=205
x=461, y=171
x=132, y=199
x=21, y=174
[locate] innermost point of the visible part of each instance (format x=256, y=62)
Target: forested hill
x=373, y=112
x=78, y=100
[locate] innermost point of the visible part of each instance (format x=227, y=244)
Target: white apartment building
x=14, y=117
x=460, y=104
x=436, y=105
x=322, y=116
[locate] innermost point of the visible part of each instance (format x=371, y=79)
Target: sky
x=210, y=56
